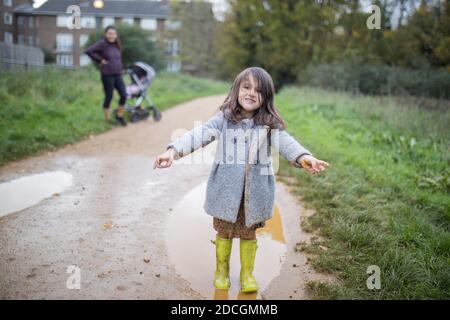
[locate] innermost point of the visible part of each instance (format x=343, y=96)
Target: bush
x=379, y=80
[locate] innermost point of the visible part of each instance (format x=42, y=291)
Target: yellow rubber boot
x=248, y=253
x=222, y=273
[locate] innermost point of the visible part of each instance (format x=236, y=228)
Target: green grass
x=45, y=109
x=385, y=198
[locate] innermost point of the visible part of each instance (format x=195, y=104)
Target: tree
x=194, y=28
x=286, y=37
x=280, y=36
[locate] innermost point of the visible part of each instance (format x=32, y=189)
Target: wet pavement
x=27, y=191
x=188, y=235
x=99, y=208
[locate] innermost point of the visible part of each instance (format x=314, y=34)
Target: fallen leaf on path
x=107, y=226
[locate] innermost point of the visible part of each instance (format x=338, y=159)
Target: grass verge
x=45, y=109
x=385, y=199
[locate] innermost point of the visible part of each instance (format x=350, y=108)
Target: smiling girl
x=240, y=193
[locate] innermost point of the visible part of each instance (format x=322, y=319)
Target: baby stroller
x=142, y=76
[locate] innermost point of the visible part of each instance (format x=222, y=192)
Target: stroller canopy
x=143, y=70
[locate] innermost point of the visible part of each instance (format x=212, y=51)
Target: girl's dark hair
x=267, y=114
x=117, y=42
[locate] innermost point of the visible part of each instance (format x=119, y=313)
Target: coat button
x=213, y=138
x=234, y=140
x=180, y=154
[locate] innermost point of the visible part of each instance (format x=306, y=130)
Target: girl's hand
x=164, y=160
x=104, y=61
x=312, y=164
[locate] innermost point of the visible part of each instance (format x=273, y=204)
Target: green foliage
x=45, y=109
x=385, y=198
x=275, y=35
x=288, y=37
x=138, y=45
x=379, y=80
x=195, y=34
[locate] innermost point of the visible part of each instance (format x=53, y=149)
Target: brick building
x=46, y=26
x=9, y=23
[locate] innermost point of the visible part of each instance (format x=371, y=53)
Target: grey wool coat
x=242, y=165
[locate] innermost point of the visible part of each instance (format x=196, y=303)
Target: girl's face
x=250, y=97
x=111, y=35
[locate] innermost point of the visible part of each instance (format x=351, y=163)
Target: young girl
x=241, y=187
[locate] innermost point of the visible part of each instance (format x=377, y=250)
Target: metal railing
x=15, y=54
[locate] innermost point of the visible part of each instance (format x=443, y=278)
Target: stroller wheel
x=135, y=117
x=145, y=115
x=157, y=115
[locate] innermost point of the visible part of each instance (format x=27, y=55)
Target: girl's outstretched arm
x=312, y=164
x=198, y=137
x=295, y=153
x=164, y=160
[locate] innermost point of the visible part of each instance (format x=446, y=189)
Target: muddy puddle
x=188, y=236
x=24, y=192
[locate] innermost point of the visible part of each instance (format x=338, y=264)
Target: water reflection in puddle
x=27, y=191
x=188, y=236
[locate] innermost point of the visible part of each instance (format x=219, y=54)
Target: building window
x=61, y=21
x=8, y=37
x=20, y=21
x=8, y=18
x=148, y=24
x=83, y=40
x=64, y=42
x=30, y=22
x=65, y=60
x=172, y=25
x=108, y=21
x=85, y=60
x=21, y=39
x=88, y=22
x=128, y=21
x=173, y=66
x=173, y=47
x=7, y=3
x=30, y=40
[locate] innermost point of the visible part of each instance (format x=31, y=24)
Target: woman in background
x=107, y=52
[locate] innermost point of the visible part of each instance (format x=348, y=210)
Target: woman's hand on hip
x=164, y=160
x=312, y=165
x=104, y=61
